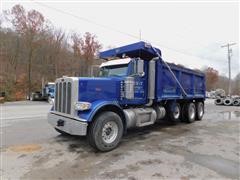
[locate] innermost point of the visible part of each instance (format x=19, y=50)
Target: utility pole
x=229, y=64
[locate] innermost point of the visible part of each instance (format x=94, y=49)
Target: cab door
x=139, y=72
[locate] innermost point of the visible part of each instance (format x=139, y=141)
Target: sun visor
x=140, y=49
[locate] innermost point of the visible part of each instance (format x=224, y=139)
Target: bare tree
x=29, y=25
x=236, y=85
x=211, y=78
x=77, y=53
x=56, y=41
x=85, y=48
x=90, y=47
x=31, y=50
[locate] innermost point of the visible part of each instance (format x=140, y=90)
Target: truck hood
x=93, y=89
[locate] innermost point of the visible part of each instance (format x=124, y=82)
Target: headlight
x=82, y=106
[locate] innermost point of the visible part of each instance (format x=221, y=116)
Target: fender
x=96, y=106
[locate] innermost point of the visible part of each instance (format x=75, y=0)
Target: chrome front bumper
x=69, y=125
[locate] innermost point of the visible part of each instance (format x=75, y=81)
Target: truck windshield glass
x=51, y=88
x=119, y=70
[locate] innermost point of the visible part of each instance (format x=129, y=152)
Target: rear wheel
x=173, y=112
x=190, y=112
x=106, y=131
x=200, y=110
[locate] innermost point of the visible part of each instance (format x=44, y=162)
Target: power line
x=87, y=20
x=119, y=31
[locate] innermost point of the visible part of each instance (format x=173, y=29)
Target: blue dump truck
x=47, y=93
x=135, y=88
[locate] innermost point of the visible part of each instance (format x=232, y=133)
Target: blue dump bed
x=193, y=82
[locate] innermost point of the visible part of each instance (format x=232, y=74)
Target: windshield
x=119, y=70
x=51, y=88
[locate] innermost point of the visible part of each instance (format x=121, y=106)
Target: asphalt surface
x=31, y=149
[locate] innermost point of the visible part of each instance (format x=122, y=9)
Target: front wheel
x=106, y=131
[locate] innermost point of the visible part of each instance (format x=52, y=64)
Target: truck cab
x=135, y=88
x=46, y=94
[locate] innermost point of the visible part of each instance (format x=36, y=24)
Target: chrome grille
x=69, y=95
x=63, y=97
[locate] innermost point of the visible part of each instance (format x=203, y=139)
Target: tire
x=236, y=102
x=218, y=101
x=32, y=98
x=228, y=102
x=190, y=112
x=173, y=112
x=106, y=131
x=183, y=110
x=62, y=132
x=199, y=110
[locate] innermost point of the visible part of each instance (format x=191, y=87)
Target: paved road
x=25, y=122
x=31, y=149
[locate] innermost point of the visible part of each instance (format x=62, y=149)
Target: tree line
x=33, y=51
x=215, y=81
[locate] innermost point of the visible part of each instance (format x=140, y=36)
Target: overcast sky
x=187, y=33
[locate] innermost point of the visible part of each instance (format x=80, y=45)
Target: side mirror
x=139, y=67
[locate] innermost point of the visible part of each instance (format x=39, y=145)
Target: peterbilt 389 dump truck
x=136, y=89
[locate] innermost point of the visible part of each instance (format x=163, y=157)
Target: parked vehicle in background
x=46, y=94
x=136, y=89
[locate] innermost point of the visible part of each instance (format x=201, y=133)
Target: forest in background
x=33, y=51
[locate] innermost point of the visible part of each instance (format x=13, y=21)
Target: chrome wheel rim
x=176, y=112
x=110, y=132
x=200, y=110
x=192, y=112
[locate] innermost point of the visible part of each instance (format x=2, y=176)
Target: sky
x=188, y=33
